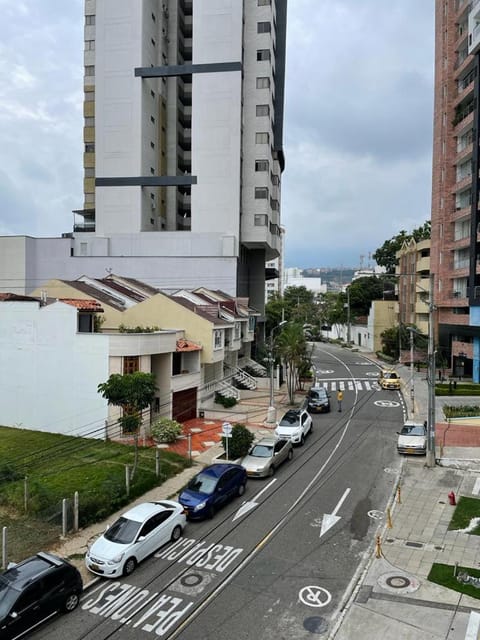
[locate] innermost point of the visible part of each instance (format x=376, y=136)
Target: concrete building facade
x=413, y=284
x=183, y=133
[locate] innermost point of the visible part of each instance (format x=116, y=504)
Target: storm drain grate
x=417, y=545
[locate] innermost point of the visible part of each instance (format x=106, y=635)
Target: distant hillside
x=329, y=274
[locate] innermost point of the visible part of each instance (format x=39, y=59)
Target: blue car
x=213, y=487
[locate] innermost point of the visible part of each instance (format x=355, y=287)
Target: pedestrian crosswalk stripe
x=348, y=385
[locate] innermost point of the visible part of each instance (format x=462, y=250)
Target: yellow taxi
x=389, y=379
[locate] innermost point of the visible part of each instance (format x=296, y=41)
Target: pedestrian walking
x=339, y=399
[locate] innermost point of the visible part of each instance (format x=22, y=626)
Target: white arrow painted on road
x=248, y=506
x=329, y=519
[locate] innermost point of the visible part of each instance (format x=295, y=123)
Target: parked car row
x=34, y=590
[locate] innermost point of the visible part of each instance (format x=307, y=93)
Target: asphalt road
x=275, y=563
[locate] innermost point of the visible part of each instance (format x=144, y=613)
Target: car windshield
x=123, y=531
x=202, y=483
x=290, y=419
x=7, y=598
x=392, y=376
x=319, y=394
x=261, y=451
x=413, y=430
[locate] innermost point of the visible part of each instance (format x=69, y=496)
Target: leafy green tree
x=133, y=392
x=385, y=255
x=239, y=443
x=363, y=290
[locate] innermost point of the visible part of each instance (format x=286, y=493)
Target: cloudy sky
x=358, y=122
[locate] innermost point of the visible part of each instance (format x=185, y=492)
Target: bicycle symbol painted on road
x=314, y=596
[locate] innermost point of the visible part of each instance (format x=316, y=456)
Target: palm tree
x=292, y=348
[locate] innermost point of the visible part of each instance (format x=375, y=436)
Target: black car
x=34, y=590
x=318, y=400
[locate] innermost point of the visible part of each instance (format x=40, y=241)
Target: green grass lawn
x=56, y=467
x=443, y=574
x=465, y=511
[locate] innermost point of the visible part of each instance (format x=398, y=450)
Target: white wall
x=185, y=262
x=50, y=373
x=216, y=118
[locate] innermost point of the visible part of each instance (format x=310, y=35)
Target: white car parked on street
x=295, y=425
x=134, y=536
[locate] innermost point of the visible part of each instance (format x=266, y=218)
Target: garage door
x=184, y=405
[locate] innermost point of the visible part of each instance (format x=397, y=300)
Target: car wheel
x=271, y=471
x=71, y=602
x=176, y=533
x=241, y=490
x=211, y=511
x=129, y=566
x=290, y=454
x=302, y=441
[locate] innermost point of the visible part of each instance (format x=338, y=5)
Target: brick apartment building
x=455, y=242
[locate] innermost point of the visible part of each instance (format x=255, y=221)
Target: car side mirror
x=14, y=615
x=398, y=433
x=141, y=538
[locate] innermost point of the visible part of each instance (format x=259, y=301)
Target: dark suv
x=34, y=590
x=318, y=400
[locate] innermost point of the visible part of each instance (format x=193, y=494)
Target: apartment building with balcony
x=455, y=241
x=413, y=284
x=183, y=157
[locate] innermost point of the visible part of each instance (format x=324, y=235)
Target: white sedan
x=134, y=536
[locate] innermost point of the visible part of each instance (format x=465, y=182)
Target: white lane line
x=251, y=504
x=473, y=626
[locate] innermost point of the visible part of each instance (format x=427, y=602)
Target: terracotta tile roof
x=83, y=305
x=187, y=345
x=101, y=296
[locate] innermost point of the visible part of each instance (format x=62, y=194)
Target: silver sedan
x=266, y=455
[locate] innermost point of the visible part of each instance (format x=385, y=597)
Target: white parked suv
x=295, y=425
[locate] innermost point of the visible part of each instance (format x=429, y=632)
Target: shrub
x=239, y=443
x=224, y=400
x=166, y=430
x=463, y=411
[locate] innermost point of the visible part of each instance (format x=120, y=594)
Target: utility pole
x=430, y=461
x=412, y=388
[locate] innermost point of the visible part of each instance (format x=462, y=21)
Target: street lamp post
x=271, y=409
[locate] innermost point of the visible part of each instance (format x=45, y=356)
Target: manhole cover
x=398, y=583
x=315, y=624
x=191, y=579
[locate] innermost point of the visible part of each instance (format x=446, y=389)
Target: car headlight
x=200, y=506
x=116, y=559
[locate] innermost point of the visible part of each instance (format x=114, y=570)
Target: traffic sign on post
x=227, y=430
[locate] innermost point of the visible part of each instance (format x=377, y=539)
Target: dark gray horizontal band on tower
x=187, y=69
x=147, y=181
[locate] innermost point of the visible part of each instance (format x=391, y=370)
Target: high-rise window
x=262, y=138
x=263, y=54
x=89, y=20
x=261, y=193
x=261, y=165
x=263, y=3
x=90, y=70
x=263, y=83
x=264, y=27
x=262, y=110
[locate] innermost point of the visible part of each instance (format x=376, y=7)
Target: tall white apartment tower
x=183, y=140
